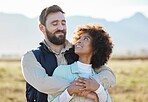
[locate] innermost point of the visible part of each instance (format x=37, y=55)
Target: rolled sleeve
x=36, y=76
x=105, y=77
x=101, y=94
x=65, y=97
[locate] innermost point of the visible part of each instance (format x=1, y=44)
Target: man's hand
x=83, y=93
x=89, y=94
x=93, y=96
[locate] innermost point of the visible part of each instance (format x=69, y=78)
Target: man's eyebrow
x=54, y=21
x=63, y=20
x=58, y=20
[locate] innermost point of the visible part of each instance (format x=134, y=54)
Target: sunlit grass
x=12, y=84
x=132, y=81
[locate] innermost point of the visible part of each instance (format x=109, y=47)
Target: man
x=39, y=64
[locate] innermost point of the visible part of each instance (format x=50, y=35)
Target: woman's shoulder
x=62, y=69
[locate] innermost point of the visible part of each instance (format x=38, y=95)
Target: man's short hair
x=48, y=10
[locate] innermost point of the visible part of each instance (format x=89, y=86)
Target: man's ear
x=42, y=28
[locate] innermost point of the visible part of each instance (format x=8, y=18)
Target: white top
x=85, y=69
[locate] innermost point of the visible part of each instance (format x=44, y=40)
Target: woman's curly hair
x=101, y=43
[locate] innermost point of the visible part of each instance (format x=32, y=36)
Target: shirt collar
x=68, y=45
x=75, y=69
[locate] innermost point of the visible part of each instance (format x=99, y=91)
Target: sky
x=111, y=10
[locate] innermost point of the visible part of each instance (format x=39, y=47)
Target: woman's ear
x=94, y=52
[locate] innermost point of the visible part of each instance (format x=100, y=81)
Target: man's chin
x=60, y=36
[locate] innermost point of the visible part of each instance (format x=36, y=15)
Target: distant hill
x=19, y=33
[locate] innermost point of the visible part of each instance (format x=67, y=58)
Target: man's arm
x=36, y=76
x=105, y=77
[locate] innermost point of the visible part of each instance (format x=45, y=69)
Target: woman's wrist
x=70, y=91
x=96, y=99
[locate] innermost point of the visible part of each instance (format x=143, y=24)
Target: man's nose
x=60, y=27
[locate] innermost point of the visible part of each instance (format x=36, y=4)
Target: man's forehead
x=58, y=16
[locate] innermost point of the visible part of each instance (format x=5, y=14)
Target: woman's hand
x=84, y=87
x=74, y=88
x=89, y=84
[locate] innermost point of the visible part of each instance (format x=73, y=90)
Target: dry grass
x=12, y=84
x=132, y=81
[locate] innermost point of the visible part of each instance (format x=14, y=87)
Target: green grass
x=132, y=81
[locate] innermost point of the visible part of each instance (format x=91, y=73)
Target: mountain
x=19, y=33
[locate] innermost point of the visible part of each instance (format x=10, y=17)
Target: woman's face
x=83, y=45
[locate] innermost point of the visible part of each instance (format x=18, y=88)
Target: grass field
x=132, y=81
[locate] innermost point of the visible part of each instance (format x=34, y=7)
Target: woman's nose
x=79, y=41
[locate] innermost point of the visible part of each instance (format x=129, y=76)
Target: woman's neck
x=84, y=59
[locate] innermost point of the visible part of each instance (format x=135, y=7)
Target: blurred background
x=125, y=20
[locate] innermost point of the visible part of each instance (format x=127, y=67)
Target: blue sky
x=112, y=10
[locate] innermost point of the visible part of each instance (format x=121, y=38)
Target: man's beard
x=56, y=40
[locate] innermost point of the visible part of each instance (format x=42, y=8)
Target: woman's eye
x=85, y=38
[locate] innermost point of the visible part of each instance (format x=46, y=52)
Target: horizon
x=122, y=47
x=78, y=15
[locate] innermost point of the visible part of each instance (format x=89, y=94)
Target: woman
x=93, y=46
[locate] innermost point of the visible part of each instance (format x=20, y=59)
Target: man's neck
x=56, y=48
